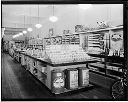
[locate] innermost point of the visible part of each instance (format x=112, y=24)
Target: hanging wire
x=38, y=13
x=53, y=10
x=30, y=13
x=24, y=20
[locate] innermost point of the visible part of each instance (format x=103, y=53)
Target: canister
x=57, y=81
x=71, y=80
x=83, y=76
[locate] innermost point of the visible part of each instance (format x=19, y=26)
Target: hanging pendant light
x=29, y=29
x=20, y=33
x=53, y=18
x=38, y=25
x=24, y=32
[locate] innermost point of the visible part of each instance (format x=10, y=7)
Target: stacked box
x=83, y=76
x=57, y=81
x=71, y=80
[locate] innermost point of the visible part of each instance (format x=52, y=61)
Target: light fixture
x=15, y=36
x=20, y=34
x=38, y=25
x=53, y=18
x=24, y=32
x=85, y=6
x=29, y=29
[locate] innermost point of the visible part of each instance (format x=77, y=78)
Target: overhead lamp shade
x=24, y=32
x=85, y=6
x=15, y=35
x=29, y=29
x=20, y=34
x=53, y=18
x=38, y=26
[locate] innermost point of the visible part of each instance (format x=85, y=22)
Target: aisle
x=17, y=83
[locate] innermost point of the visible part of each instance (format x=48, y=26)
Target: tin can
x=71, y=80
x=83, y=76
x=57, y=81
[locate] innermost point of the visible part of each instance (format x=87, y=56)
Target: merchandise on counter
x=83, y=76
x=66, y=53
x=71, y=80
x=57, y=81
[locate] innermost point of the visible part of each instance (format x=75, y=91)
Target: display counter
x=56, y=76
x=17, y=55
x=60, y=68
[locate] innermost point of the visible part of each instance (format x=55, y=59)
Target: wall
x=72, y=16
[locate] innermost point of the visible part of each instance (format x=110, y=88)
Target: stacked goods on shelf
x=71, y=39
x=56, y=40
x=66, y=53
x=42, y=74
x=96, y=43
x=71, y=78
x=83, y=76
x=57, y=81
x=47, y=41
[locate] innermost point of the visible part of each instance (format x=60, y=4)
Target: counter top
x=61, y=64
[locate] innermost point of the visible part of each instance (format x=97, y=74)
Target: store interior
x=63, y=51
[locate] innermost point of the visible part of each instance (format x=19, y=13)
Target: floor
x=17, y=83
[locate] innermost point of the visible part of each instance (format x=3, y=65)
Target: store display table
x=53, y=76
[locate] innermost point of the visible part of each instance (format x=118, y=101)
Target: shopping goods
x=57, y=81
x=83, y=76
x=71, y=80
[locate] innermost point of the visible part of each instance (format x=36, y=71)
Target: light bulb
x=14, y=36
x=38, y=26
x=20, y=34
x=85, y=6
x=53, y=18
x=24, y=32
x=29, y=29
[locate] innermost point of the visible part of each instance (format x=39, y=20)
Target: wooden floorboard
x=17, y=83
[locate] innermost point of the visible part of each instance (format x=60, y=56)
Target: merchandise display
x=73, y=51
x=66, y=53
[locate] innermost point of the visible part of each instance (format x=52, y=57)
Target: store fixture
x=38, y=25
x=53, y=18
x=56, y=64
x=109, y=47
x=67, y=63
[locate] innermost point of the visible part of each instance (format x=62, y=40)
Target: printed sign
x=116, y=40
x=58, y=82
x=73, y=79
x=85, y=74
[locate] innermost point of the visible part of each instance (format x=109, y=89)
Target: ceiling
x=16, y=17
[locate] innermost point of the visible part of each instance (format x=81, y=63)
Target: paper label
x=73, y=79
x=85, y=74
x=58, y=82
